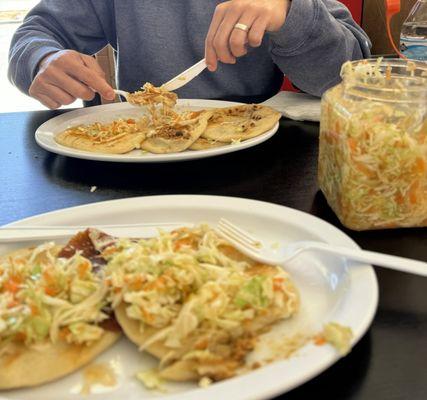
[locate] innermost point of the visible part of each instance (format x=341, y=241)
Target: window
x=12, y=12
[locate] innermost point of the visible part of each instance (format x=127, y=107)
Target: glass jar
x=373, y=145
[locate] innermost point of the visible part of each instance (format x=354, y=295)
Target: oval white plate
x=330, y=291
x=108, y=112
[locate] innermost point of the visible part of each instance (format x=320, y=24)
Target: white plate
x=108, y=112
x=330, y=291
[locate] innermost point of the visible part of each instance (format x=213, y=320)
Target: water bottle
x=413, y=38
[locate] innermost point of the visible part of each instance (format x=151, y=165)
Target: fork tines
x=233, y=232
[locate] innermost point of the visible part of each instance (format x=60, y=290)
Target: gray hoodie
x=157, y=39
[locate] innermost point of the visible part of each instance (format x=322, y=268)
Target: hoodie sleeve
x=317, y=38
x=53, y=25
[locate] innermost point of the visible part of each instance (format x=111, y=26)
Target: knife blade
x=184, y=77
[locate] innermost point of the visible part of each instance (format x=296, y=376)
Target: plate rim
x=223, y=387
x=43, y=130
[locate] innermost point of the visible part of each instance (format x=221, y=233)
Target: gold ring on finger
x=242, y=27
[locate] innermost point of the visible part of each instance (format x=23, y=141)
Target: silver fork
x=257, y=250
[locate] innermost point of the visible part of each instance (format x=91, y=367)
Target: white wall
x=11, y=99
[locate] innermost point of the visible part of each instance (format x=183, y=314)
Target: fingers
x=224, y=42
x=72, y=86
x=58, y=95
x=48, y=102
x=257, y=31
x=210, y=53
x=94, y=81
x=87, y=70
x=221, y=40
x=67, y=75
x=238, y=37
x=91, y=63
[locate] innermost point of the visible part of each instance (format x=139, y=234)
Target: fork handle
x=372, y=257
x=121, y=93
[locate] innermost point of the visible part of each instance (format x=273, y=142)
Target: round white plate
x=330, y=291
x=46, y=132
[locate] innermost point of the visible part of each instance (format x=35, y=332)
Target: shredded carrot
x=17, y=278
x=319, y=340
x=12, y=303
x=51, y=290
x=399, y=199
x=11, y=286
x=82, y=268
x=34, y=309
x=277, y=283
x=420, y=165
x=214, y=295
x=63, y=333
x=413, y=192
x=48, y=277
x=201, y=344
x=364, y=169
x=157, y=284
x=147, y=316
x=109, y=251
x=187, y=241
x=137, y=283
x=388, y=73
x=352, y=144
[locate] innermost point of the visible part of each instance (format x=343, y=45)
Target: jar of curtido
x=373, y=145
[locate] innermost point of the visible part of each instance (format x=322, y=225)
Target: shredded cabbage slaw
x=184, y=284
x=207, y=301
x=109, y=132
x=43, y=297
x=373, y=155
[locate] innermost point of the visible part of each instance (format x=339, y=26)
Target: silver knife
x=184, y=77
x=11, y=234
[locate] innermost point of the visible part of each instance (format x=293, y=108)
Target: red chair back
x=356, y=8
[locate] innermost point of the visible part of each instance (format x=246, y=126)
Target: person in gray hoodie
x=248, y=44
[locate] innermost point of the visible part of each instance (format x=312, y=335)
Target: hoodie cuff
x=298, y=27
x=37, y=55
x=26, y=67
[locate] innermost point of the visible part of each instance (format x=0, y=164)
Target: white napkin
x=297, y=106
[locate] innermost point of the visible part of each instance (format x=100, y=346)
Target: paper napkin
x=297, y=106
